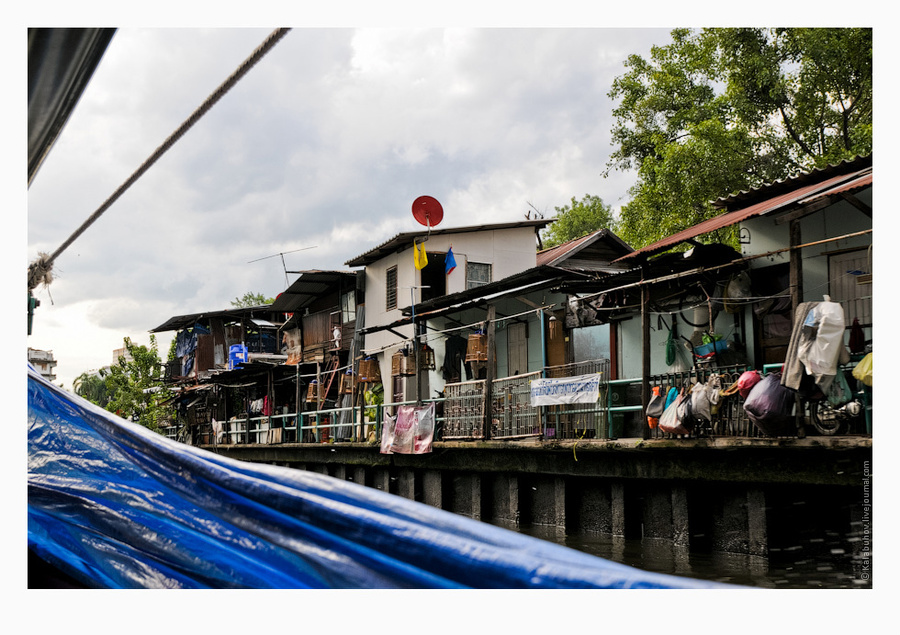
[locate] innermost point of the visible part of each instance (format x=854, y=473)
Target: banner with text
x=565, y=390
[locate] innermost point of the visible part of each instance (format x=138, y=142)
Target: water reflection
x=793, y=568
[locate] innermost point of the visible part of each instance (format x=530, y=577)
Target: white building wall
x=508, y=251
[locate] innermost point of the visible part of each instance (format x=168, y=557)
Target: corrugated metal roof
x=802, y=193
x=557, y=255
x=310, y=286
x=767, y=190
x=404, y=240
x=183, y=321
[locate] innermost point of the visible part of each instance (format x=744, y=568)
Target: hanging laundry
x=857, y=341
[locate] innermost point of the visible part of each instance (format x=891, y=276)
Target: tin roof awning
x=785, y=196
x=309, y=287
x=179, y=322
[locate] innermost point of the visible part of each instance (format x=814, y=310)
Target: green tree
x=92, y=387
x=251, y=299
x=723, y=110
x=578, y=219
x=136, y=388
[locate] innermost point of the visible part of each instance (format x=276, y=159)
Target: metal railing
x=580, y=421
x=728, y=418
x=512, y=415
x=464, y=410
x=459, y=414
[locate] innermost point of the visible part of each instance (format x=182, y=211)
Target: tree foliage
x=578, y=219
x=135, y=387
x=92, y=387
x=251, y=299
x=723, y=110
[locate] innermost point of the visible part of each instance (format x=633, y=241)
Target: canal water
x=822, y=563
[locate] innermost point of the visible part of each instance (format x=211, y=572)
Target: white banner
x=566, y=390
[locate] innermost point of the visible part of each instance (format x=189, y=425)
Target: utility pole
x=412, y=304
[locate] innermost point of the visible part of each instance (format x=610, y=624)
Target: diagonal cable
x=40, y=270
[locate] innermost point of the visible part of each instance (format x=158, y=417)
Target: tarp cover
x=115, y=505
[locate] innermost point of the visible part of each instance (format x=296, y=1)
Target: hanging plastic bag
x=863, y=370
x=657, y=403
x=839, y=392
x=820, y=351
x=671, y=344
x=700, y=402
x=671, y=396
x=713, y=393
x=769, y=406
x=668, y=422
x=747, y=381
x=857, y=341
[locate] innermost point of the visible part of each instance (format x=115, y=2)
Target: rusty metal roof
x=780, y=196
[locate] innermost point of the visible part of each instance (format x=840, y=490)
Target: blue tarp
x=115, y=505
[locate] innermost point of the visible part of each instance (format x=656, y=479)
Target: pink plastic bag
x=747, y=381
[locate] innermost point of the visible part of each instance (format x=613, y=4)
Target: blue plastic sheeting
x=115, y=505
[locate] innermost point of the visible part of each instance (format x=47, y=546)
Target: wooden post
x=247, y=409
x=796, y=266
x=645, y=357
x=489, y=373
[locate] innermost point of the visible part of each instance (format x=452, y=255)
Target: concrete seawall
x=739, y=496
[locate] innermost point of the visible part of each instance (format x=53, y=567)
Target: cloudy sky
x=324, y=144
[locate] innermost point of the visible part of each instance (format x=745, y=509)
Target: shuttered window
x=850, y=283
x=390, y=300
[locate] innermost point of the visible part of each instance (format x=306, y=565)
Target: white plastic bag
x=820, y=354
x=700, y=401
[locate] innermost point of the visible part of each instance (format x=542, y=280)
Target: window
x=850, y=283
x=477, y=274
x=348, y=307
x=390, y=299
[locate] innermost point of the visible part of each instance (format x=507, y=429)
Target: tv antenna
x=284, y=266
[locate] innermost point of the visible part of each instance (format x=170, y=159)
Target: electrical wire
x=40, y=271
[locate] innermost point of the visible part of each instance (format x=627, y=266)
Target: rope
x=39, y=270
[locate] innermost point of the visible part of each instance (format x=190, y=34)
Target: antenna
x=284, y=266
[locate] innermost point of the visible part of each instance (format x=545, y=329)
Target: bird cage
x=398, y=363
x=312, y=392
x=426, y=358
x=369, y=371
x=346, y=385
x=476, y=348
x=403, y=362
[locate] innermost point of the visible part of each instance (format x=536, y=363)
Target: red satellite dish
x=427, y=211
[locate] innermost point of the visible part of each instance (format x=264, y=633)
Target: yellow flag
x=419, y=256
